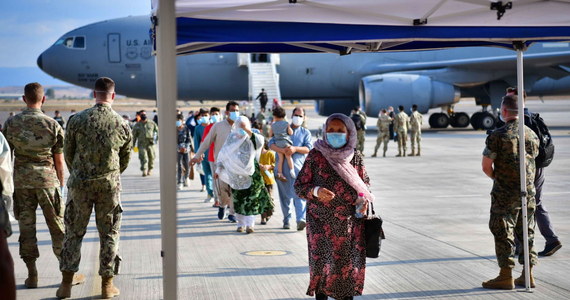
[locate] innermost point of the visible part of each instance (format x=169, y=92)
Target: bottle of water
x=360, y=207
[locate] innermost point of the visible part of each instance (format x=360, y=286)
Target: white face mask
x=297, y=121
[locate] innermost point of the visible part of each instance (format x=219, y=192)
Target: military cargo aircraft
x=123, y=50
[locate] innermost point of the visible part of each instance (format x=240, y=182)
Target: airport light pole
x=520, y=47
x=167, y=94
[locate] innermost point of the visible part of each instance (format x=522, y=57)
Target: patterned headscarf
x=340, y=158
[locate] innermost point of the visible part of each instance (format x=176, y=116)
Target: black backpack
x=357, y=121
x=546, y=147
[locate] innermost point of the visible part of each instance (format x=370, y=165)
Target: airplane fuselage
x=122, y=49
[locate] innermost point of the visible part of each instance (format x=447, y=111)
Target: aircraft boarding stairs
x=262, y=75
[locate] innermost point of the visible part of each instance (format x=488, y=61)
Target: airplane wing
x=554, y=65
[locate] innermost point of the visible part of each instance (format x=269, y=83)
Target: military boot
x=418, y=154
x=404, y=153
x=64, y=290
x=413, y=153
x=521, y=282
x=502, y=282
x=32, y=280
x=399, y=154
x=374, y=155
x=108, y=290
x=384, y=154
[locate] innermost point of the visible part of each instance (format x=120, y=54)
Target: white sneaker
x=208, y=200
x=292, y=173
x=180, y=186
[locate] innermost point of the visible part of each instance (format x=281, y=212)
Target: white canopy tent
x=336, y=26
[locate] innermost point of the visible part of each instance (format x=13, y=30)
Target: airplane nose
x=40, y=62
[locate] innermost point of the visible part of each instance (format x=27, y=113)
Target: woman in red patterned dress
x=331, y=179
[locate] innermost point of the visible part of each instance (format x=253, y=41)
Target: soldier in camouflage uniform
x=401, y=125
x=501, y=163
x=97, y=150
x=383, y=125
x=144, y=133
x=359, y=119
x=416, y=122
x=37, y=141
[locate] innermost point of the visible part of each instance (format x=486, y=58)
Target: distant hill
x=22, y=76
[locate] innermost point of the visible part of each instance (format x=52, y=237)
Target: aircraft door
x=114, y=47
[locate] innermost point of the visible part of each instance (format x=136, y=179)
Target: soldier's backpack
x=357, y=121
x=546, y=147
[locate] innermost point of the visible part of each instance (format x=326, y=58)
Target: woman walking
x=238, y=166
x=331, y=179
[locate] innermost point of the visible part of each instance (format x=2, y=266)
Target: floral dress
x=337, y=252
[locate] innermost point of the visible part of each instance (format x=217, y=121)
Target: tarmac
x=435, y=209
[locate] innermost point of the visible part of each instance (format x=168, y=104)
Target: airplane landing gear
x=438, y=120
x=483, y=120
x=459, y=120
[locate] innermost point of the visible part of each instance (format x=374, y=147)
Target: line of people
x=220, y=139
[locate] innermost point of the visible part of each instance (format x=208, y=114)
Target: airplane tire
x=438, y=120
x=475, y=120
x=459, y=120
x=487, y=121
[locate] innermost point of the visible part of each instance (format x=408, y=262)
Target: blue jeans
x=208, y=179
x=287, y=196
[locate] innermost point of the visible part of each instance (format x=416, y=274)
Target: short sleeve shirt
x=502, y=147
x=35, y=138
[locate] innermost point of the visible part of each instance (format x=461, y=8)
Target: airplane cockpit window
x=79, y=42
x=73, y=42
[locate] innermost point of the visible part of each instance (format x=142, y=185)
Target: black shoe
x=221, y=213
x=321, y=297
x=232, y=219
x=550, y=249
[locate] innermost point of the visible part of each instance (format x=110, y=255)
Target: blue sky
x=28, y=27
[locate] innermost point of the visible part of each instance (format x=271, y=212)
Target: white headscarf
x=234, y=164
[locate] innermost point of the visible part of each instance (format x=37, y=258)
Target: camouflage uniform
x=143, y=133
x=416, y=121
x=97, y=151
x=401, y=124
x=506, y=217
x=35, y=138
x=383, y=125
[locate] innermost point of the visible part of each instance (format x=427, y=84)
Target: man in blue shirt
x=302, y=144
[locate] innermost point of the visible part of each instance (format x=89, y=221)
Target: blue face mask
x=214, y=118
x=205, y=120
x=200, y=121
x=178, y=123
x=234, y=115
x=242, y=132
x=336, y=139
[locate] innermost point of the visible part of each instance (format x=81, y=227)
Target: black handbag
x=373, y=233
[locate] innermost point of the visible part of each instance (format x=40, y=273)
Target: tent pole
x=520, y=47
x=166, y=91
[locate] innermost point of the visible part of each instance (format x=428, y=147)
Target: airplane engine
x=329, y=107
x=380, y=91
